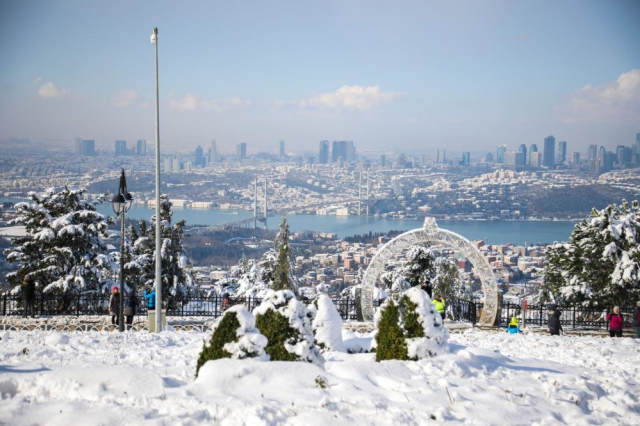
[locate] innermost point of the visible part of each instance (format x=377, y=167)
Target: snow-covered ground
x=106, y=378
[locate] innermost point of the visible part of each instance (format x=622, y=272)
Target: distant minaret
x=360, y=195
x=255, y=203
x=367, y=194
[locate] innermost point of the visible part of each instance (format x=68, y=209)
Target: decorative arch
x=431, y=234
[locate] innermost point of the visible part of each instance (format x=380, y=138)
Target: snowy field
x=96, y=378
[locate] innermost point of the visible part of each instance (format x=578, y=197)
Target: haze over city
x=408, y=76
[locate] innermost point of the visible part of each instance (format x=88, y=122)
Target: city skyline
x=421, y=77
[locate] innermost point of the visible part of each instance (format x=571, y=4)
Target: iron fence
x=573, y=316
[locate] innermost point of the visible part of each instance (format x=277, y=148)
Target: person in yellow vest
x=439, y=304
x=513, y=326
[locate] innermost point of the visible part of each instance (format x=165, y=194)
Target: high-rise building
x=500, y=153
x=441, y=156
x=623, y=154
x=141, y=147
x=241, y=151
x=523, y=150
x=535, y=158
x=549, y=155
x=282, y=150
x=533, y=148
x=343, y=149
x=213, y=153
x=85, y=147
x=488, y=158
x=593, y=152
x=323, y=152
x=121, y=148
x=602, y=155
x=383, y=160
x=562, y=152
x=401, y=162
x=609, y=159
x=466, y=159
x=201, y=160
x=638, y=147
x=514, y=159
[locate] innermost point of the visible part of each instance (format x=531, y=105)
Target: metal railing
x=573, y=316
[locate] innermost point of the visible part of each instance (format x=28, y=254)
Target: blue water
x=494, y=232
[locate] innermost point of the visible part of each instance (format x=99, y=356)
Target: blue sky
x=403, y=75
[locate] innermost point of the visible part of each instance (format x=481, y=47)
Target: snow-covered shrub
x=327, y=325
x=286, y=323
x=234, y=335
x=409, y=329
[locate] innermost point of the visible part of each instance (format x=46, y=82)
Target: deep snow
x=97, y=378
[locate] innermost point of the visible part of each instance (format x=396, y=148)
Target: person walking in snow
x=636, y=319
x=440, y=305
x=554, y=323
x=615, y=322
x=130, y=307
x=114, y=306
x=150, y=297
x=28, y=295
x=226, y=302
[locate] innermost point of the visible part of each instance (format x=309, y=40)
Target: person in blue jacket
x=150, y=297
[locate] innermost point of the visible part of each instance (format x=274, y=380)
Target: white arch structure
x=431, y=234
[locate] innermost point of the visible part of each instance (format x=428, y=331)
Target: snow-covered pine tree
x=601, y=261
x=409, y=329
x=234, y=335
x=327, y=325
x=64, y=247
x=176, y=277
x=283, y=279
x=286, y=323
x=446, y=282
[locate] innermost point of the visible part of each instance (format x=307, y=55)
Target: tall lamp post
x=121, y=203
x=158, y=280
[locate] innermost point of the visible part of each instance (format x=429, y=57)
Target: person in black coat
x=427, y=288
x=28, y=295
x=130, y=307
x=554, y=323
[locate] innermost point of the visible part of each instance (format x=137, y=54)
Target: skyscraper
x=85, y=146
x=514, y=159
x=575, y=160
x=562, y=152
x=441, y=155
x=500, y=153
x=282, y=150
x=466, y=159
x=383, y=160
x=623, y=154
x=241, y=151
x=549, y=152
x=593, y=152
x=121, y=148
x=523, y=150
x=323, y=152
x=141, y=147
x=602, y=155
x=343, y=149
x=533, y=148
x=201, y=160
x=213, y=152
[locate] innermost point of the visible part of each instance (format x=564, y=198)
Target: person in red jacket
x=615, y=323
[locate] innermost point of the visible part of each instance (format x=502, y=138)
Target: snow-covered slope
x=138, y=378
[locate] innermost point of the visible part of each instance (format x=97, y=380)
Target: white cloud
x=36, y=81
x=124, y=99
x=613, y=102
x=359, y=98
x=191, y=102
x=49, y=90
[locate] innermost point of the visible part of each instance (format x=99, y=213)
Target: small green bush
x=275, y=327
x=412, y=324
x=224, y=333
x=390, y=339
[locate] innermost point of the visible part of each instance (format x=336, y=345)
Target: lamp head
x=118, y=202
x=154, y=36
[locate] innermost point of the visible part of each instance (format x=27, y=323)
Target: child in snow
x=513, y=328
x=615, y=322
x=114, y=306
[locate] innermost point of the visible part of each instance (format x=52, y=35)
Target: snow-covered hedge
x=286, y=323
x=327, y=325
x=410, y=328
x=234, y=335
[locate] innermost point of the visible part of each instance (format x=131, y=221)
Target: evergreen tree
x=601, y=261
x=64, y=248
x=447, y=282
x=282, y=277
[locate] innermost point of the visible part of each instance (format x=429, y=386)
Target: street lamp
x=154, y=41
x=121, y=203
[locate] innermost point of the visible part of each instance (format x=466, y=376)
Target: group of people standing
x=130, y=305
x=615, y=321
